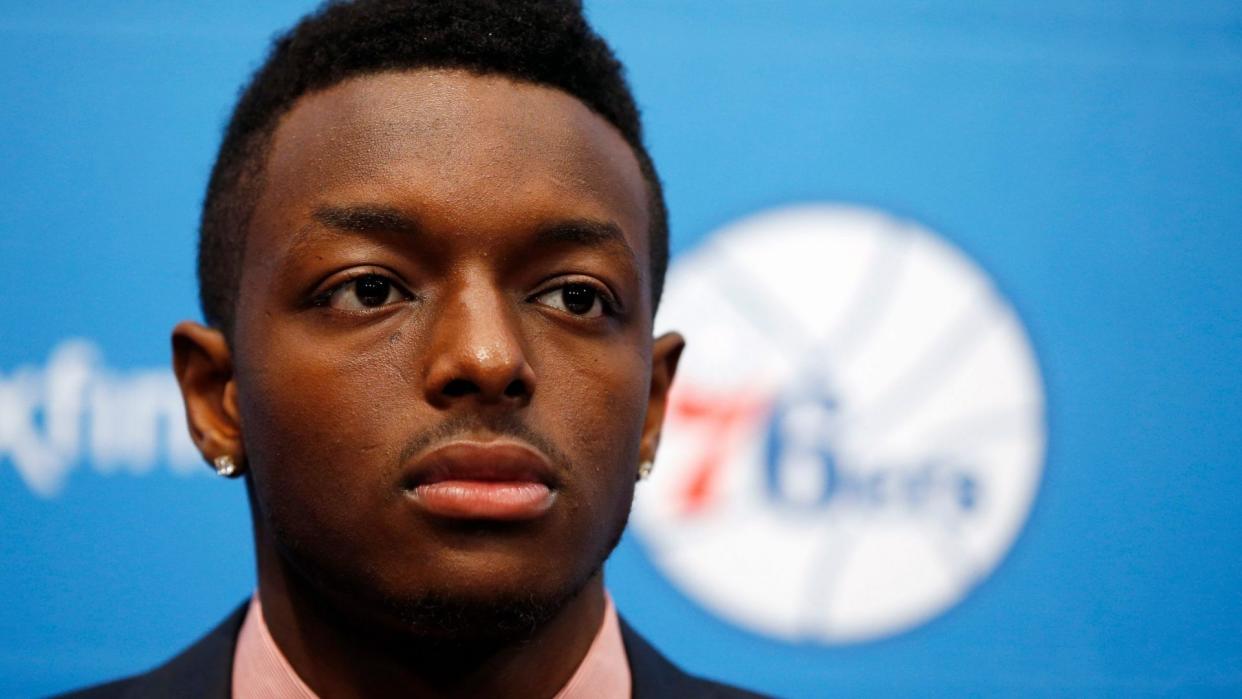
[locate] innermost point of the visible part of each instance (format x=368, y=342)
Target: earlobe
x=203, y=364
x=665, y=354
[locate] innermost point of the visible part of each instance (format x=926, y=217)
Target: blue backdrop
x=1088, y=156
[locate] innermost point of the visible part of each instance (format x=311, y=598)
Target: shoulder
x=654, y=675
x=203, y=670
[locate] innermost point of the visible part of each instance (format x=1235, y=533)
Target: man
x=430, y=253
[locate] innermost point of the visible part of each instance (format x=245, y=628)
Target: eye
x=362, y=293
x=579, y=299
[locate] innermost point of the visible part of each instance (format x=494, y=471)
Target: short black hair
x=545, y=42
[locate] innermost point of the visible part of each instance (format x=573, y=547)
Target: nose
x=477, y=352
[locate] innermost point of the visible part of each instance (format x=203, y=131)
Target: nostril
x=459, y=387
x=516, y=389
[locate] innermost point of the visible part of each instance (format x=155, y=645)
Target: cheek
x=321, y=439
x=602, y=409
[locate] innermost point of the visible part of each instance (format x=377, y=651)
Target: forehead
x=461, y=152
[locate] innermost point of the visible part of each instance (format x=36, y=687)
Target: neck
x=340, y=653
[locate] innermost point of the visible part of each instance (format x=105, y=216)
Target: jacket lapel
x=202, y=671
x=651, y=674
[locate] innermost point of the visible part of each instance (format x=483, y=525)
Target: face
x=443, y=375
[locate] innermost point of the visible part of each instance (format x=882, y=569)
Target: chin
x=485, y=600
x=501, y=618
x=491, y=609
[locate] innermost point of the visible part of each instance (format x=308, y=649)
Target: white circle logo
x=856, y=432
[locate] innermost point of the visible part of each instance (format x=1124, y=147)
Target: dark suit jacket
x=205, y=671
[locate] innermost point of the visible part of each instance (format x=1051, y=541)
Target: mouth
x=494, y=480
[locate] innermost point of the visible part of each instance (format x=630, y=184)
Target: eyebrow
x=365, y=219
x=584, y=233
x=578, y=232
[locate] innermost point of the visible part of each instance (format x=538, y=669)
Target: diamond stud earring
x=225, y=466
x=644, y=469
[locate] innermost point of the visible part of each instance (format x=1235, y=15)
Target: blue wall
x=1088, y=156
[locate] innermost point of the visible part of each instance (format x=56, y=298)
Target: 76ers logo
x=856, y=433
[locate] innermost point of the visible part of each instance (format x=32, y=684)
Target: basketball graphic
x=856, y=433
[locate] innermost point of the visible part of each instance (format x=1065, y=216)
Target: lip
x=496, y=480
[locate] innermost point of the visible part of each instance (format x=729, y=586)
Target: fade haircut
x=545, y=42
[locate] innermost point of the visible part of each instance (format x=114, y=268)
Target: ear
x=203, y=364
x=665, y=353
